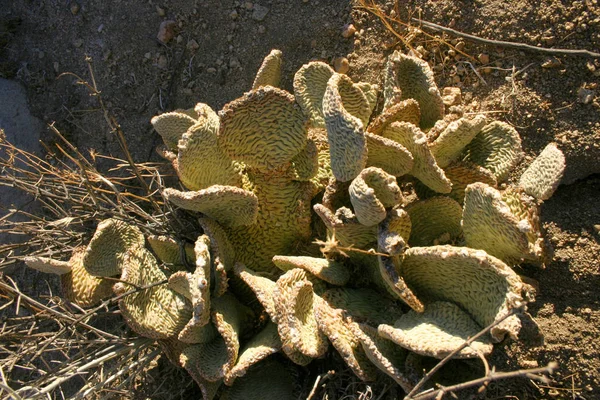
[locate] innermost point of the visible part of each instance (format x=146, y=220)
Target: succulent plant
x=396, y=274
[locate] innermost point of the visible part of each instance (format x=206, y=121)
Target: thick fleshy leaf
x=111, y=241
x=490, y=224
x=228, y=205
x=345, y=133
x=413, y=78
x=438, y=331
x=265, y=129
x=172, y=125
x=196, y=286
x=269, y=72
x=293, y=298
x=310, y=83
x=543, y=176
x=371, y=192
x=497, y=148
x=480, y=284
x=48, y=265
x=157, y=312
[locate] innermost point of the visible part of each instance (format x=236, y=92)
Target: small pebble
x=262, y=29
x=233, y=15
x=249, y=5
x=56, y=66
x=75, y=7
x=162, y=62
x=348, y=31
x=211, y=70
x=551, y=63
x=41, y=55
x=234, y=63
x=460, y=46
x=148, y=55
x=100, y=28
x=160, y=11
x=597, y=229
x=192, y=45
x=569, y=26
x=166, y=31
x=179, y=39
x=341, y=65
x=259, y=12
x=483, y=58
x=78, y=43
x=585, y=96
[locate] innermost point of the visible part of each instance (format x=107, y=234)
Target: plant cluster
x=415, y=225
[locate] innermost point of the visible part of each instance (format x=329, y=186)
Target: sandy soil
x=218, y=45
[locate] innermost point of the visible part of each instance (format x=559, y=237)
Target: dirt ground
x=217, y=47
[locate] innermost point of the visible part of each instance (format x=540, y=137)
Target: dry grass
x=49, y=346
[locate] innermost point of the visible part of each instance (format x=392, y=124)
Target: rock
x=584, y=95
x=234, y=63
x=452, y=96
x=162, y=62
x=259, y=12
x=192, y=45
x=160, y=11
x=348, y=31
x=75, y=7
x=166, y=31
x=78, y=43
x=23, y=130
x=483, y=58
x=261, y=29
x=341, y=65
x=551, y=63
x=211, y=70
